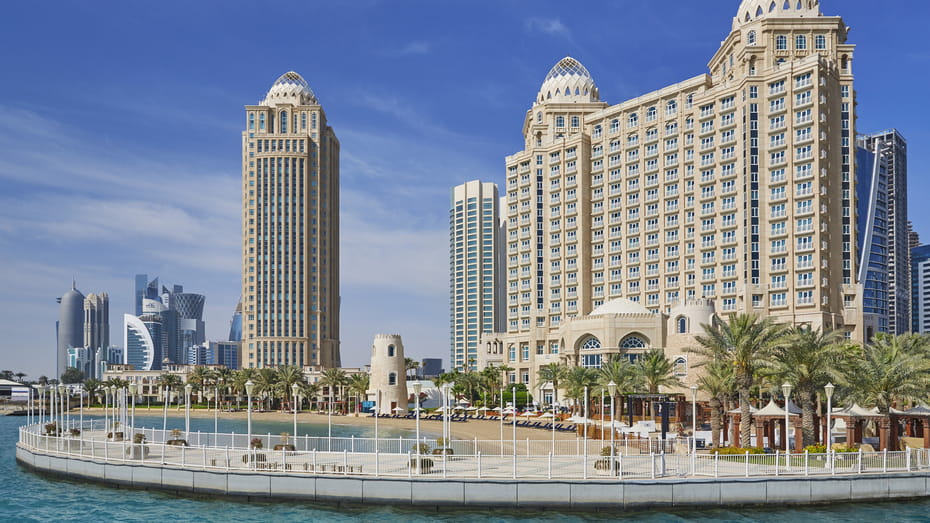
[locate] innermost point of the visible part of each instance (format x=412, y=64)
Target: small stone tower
x=388, y=373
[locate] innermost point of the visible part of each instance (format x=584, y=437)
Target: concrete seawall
x=476, y=493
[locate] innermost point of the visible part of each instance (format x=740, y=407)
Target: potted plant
x=257, y=457
x=176, y=439
x=138, y=450
x=604, y=462
x=114, y=434
x=426, y=464
x=442, y=447
x=51, y=429
x=284, y=445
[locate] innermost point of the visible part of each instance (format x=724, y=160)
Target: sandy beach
x=481, y=429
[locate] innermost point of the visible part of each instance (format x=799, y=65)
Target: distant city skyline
x=120, y=148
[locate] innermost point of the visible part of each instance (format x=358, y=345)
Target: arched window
x=759, y=11
x=781, y=42
x=597, y=131
x=539, y=117
x=634, y=120
x=787, y=5
x=772, y=7
x=261, y=122
x=591, y=343
x=820, y=42
x=800, y=42
x=614, y=125
x=682, y=327
x=671, y=108
x=390, y=350
x=689, y=101
x=560, y=121
x=575, y=121
x=632, y=342
x=751, y=38
x=681, y=366
x=283, y=121
x=651, y=114
x=392, y=378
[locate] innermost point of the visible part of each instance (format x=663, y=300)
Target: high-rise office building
x=736, y=185
x=190, y=325
x=70, y=326
x=290, y=230
x=476, y=289
x=920, y=289
x=235, y=325
x=872, y=227
x=96, y=321
x=141, y=344
x=892, y=146
x=913, y=237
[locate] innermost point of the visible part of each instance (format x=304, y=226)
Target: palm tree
x=20, y=375
x=624, y=374
x=92, y=386
x=656, y=370
x=808, y=359
x=891, y=369
x=239, y=379
x=576, y=379
x=285, y=377
x=335, y=379
x=359, y=383
x=266, y=384
x=718, y=383
x=552, y=373
x=744, y=342
x=199, y=377
x=410, y=364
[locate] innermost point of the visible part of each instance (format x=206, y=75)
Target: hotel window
x=651, y=114
x=303, y=121
x=800, y=42
x=560, y=121
x=671, y=108
x=633, y=120
x=781, y=42
x=283, y=121
x=251, y=121
x=261, y=122
x=820, y=42
x=575, y=121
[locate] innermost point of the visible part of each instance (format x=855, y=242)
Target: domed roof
x=568, y=81
x=752, y=10
x=290, y=88
x=73, y=296
x=620, y=306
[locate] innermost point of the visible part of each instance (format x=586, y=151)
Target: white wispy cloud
x=549, y=26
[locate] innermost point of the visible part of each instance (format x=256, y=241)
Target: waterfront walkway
x=478, y=459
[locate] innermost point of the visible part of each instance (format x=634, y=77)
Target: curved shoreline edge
x=485, y=493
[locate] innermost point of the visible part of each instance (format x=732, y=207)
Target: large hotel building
x=290, y=230
x=629, y=225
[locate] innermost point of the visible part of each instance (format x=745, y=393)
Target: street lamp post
x=51, y=404
x=612, y=390
x=555, y=408
x=446, y=424
x=417, y=387
x=133, y=389
x=513, y=414
x=82, y=407
x=216, y=407
x=164, y=419
x=295, y=388
x=113, y=408
x=828, y=389
x=249, y=387
x=786, y=390
x=187, y=410
x=377, y=414
x=61, y=411
x=693, y=419
x=41, y=389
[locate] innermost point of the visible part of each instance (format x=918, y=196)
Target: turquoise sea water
x=28, y=497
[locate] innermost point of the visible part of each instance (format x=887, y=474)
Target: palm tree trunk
x=745, y=419
x=716, y=419
x=807, y=419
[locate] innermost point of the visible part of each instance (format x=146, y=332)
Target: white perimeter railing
x=470, y=459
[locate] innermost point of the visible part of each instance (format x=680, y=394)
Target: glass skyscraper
x=475, y=282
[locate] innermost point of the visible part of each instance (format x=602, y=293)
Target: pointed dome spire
x=290, y=88
x=752, y=10
x=568, y=81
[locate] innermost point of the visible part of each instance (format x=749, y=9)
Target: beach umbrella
x=399, y=409
x=546, y=415
x=474, y=408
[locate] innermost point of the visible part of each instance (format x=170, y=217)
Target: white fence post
x=806, y=462
x=549, y=473
x=859, y=465
x=884, y=460
x=479, y=465
x=776, y=463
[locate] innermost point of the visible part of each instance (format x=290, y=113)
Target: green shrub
x=738, y=451
x=816, y=449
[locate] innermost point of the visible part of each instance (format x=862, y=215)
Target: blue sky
x=120, y=132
